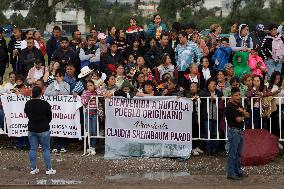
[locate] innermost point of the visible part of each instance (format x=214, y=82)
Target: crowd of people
x=158, y=61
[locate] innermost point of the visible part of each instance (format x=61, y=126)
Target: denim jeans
x=256, y=118
x=235, y=139
x=36, y=139
x=211, y=145
x=1, y=119
x=272, y=66
x=93, y=128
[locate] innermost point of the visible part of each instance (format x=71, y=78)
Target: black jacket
x=111, y=60
x=39, y=115
x=169, y=50
x=151, y=57
x=51, y=45
x=128, y=51
x=27, y=57
x=4, y=56
x=257, y=38
x=65, y=57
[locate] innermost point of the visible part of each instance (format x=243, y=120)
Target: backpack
x=277, y=48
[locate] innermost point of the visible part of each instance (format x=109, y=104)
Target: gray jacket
x=52, y=90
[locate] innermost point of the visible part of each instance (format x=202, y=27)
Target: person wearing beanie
x=257, y=36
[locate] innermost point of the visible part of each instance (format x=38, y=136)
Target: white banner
x=65, y=115
x=148, y=127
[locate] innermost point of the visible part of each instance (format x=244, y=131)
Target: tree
x=168, y=9
x=41, y=12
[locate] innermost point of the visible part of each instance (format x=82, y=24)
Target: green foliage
x=18, y=20
x=104, y=14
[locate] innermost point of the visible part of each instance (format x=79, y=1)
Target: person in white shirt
x=24, y=43
x=11, y=82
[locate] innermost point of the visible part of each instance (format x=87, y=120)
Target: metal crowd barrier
x=200, y=137
x=87, y=136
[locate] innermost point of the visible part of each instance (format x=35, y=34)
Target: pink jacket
x=252, y=62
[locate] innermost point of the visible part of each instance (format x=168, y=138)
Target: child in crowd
x=112, y=58
x=140, y=63
x=130, y=63
x=148, y=89
x=88, y=100
x=70, y=77
x=147, y=72
x=172, y=88
x=21, y=88
x=164, y=84
x=241, y=67
x=59, y=86
x=98, y=82
x=138, y=81
x=126, y=90
x=256, y=64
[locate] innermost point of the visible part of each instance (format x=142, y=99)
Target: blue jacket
x=151, y=31
x=221, y=57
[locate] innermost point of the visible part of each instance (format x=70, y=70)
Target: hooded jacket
x=253, y=61
x=221, y=57
x=241, y=68
x=237, y=42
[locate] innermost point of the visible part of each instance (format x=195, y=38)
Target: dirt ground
x=75, y=171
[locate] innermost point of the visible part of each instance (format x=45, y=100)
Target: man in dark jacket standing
x=39, y=114
x=4, y=57
x=53, y=43
x=28, y=56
